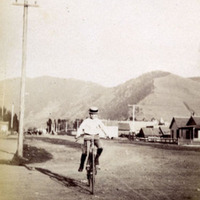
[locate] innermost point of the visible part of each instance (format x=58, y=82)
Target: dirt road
x=128, y=170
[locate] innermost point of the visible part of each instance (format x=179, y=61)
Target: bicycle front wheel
x=92, y=182
x=93, y=171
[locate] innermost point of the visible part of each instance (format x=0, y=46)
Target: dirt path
x=129, y=171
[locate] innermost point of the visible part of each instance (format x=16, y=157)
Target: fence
x=182, y=141
x=158, y=140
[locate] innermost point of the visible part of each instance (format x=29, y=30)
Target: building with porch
x=176, y=124
x=190, y=133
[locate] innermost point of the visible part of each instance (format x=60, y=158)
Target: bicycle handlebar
x=77, y=138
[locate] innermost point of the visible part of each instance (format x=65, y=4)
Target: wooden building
x=190, y=133
x=176, y=124
x=149, y=133
x=165, y=132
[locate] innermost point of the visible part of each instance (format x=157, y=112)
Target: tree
x=77, y=123
x=49, y=123
x=15, y=123
x=58, y=124
x=70, y=125
x=7, y=118
x=4, y=112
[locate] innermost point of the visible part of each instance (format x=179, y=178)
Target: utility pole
x=3, y=90
x=77, y=124
x=12, y=118
x=133, y=129
x=133, y=106
x=3, y=99
x=25, y=4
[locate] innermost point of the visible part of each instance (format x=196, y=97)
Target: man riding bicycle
x=91, y=126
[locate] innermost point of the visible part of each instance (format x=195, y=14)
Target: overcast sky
x=104, y=41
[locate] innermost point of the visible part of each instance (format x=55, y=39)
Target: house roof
x=142, y=124
x=180, y=121
x=165, y=130
x=190, y=127
x=196, y=120
x=124, y=127
x=150, y=131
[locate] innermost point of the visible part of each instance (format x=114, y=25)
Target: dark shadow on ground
x=66, y=181
x=30, y=155
x=35, y=155
x=57, y=141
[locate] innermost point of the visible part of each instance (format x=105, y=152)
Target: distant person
x=91, y=126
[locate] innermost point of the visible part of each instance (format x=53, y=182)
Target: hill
x=48, y=97
x=195, y=79
x=171, y=95
x=156, y=94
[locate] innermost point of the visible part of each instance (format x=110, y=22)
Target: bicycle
x=91, y=170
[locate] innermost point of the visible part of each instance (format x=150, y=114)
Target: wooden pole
x=133, y=106
x=23, y=77
x=12, y=114
x=3, y=99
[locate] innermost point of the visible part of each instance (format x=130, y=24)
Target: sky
x=107, y=42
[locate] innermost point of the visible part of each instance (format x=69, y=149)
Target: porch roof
x=190, y=127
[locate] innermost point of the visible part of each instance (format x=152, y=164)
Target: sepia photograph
x=99, y=99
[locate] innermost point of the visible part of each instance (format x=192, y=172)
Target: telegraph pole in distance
x=133, y=111
x=23, y=74
x=133, y=129
x=3, y=99
x=12, y=114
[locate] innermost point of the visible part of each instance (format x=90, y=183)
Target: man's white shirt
x=92, y=127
